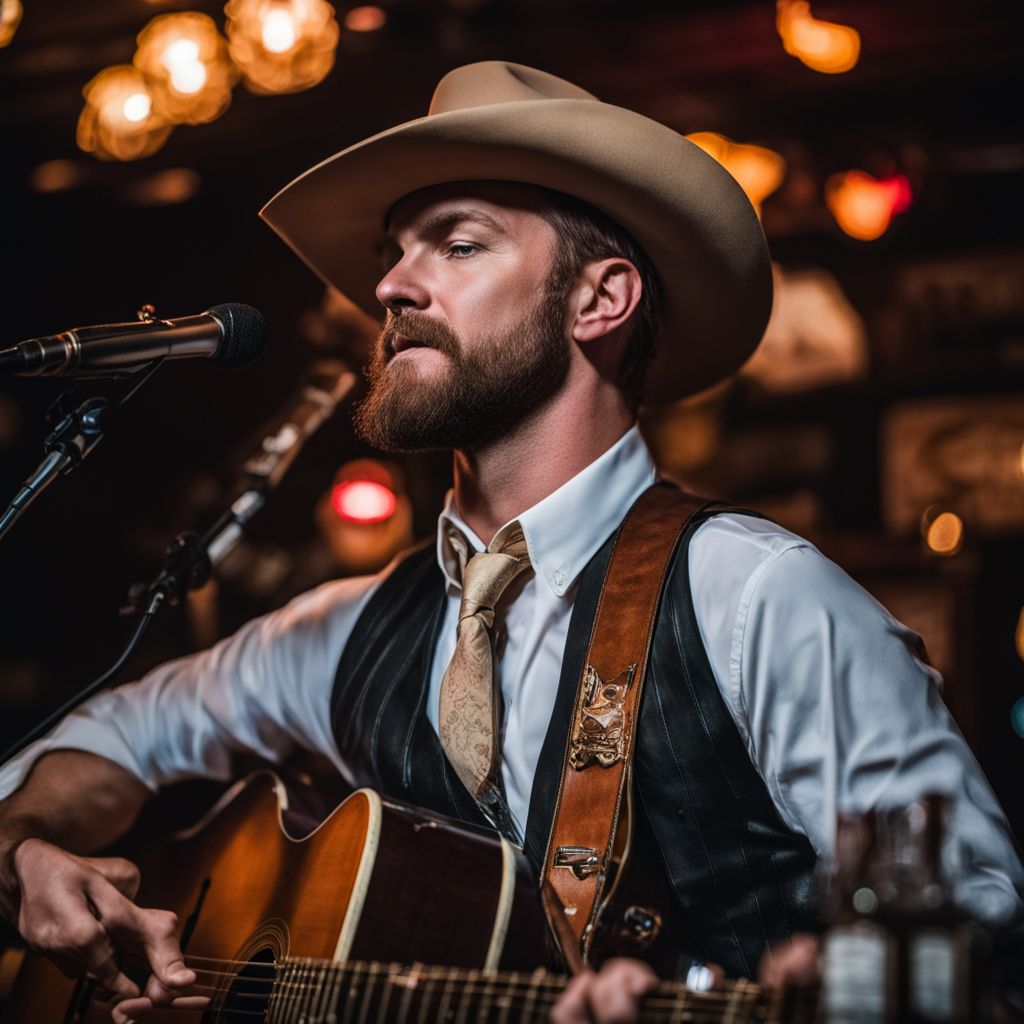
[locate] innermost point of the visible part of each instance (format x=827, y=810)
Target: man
x=526, y=242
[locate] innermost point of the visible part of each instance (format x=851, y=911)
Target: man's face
x=475, y=338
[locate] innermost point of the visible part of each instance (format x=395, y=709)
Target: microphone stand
x=190, y=559
x=69, y=442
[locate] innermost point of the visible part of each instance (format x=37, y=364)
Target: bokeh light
x=363, y=501
x=758, y=170
x=185, y=61
x=282, y=45
x=943, y=532
x=368, y=18
x=164, y=188
x=365, y=519
x=56, y=176
x=822, y=45
x=119, y=120
x=10, y=18
x=864, y=206
x=1017, y=717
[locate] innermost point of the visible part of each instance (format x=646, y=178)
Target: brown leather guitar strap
x=595, y=768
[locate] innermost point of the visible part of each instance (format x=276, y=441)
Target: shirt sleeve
x=842, y=715
x=265, y=690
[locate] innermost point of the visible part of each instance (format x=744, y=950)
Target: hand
x=611, y=996
x=793, y=963
x=79, y=912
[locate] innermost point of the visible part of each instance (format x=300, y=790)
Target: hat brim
x=686, y=211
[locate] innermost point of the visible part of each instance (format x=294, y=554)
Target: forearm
x=78, y=801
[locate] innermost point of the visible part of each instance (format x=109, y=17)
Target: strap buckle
x=582, y=861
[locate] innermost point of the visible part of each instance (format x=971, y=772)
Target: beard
x=481, y=397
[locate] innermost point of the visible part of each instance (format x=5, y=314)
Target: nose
x=401, y=288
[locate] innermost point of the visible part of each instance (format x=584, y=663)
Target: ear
x=606, y=294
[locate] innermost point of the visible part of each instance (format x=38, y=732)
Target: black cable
x=94, y=687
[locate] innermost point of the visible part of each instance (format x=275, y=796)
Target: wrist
x=12, y=840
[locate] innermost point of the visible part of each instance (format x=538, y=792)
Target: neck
x=497, y=483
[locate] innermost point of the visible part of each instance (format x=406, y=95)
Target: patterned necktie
x=470, y=706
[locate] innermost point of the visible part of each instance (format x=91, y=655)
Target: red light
x=899, y=190
x=363, y=501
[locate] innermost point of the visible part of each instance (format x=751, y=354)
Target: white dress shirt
x=823, y=684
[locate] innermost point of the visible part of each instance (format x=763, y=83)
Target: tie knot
x=487, y=574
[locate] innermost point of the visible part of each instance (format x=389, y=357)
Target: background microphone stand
x=72, y=438
x=191, y=558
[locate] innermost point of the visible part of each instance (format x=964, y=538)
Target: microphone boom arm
x=67, y=445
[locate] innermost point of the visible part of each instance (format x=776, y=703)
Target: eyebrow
x=443, y=222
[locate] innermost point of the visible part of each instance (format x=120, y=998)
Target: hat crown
x=497, y=81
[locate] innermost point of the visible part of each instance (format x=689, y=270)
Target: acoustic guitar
x=382, y=914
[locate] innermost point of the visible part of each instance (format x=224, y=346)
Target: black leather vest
x=741, y=878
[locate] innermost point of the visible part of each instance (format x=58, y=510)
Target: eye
x=462, y=249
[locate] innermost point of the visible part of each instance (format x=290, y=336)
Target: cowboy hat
x=506, y=122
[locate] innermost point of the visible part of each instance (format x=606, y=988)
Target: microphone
x=228, y=336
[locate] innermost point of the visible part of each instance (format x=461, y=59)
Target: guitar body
x=376, y=881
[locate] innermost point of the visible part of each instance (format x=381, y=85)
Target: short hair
x=583, y=234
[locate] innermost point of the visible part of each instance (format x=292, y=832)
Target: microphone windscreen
x=245, y=335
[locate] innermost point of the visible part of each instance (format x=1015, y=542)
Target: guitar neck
x=316, y=992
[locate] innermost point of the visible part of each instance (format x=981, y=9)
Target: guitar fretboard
x=307, y=991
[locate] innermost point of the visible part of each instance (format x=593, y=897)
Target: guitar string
x=651, y=1009
x=667, y=995
x=482, y=987
x=669, y=1014
x=359, y=968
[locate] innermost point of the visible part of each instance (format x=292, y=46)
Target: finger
x=164, y=950
x=793, y=963
x=618, y=989
x=160, y=995
x=93, y=945
x=122, y=874
x=571, y=1007
x=154, y=930
x=127, y=1011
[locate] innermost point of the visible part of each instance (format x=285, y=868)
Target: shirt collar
x=565, y=529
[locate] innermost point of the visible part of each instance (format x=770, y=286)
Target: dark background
x=935, y=96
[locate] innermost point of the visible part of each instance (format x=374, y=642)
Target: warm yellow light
x=137, y=106
x=1021, y=460
x=943, y=533
x=365, y=19
x=174, y=185
x=185, y=60
x=1020, y=635
x=864, y=206
x=119, y=121
x=188, y=78
x=758, y=170
x=56, y=176
x=278, y=31
x=821, y=45
x=282, y=45
x=181, y=52
x=10, y=18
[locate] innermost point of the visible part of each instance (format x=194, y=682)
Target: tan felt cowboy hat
x=506, y=122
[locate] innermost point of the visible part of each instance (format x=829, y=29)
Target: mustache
x=424, y=330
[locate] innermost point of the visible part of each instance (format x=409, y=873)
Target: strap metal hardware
x=582, y=861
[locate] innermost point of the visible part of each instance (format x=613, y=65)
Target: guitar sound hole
x=248, y=995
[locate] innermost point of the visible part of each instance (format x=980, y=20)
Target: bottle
x=858, y=954
x=897, y=948
x=934, y=939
